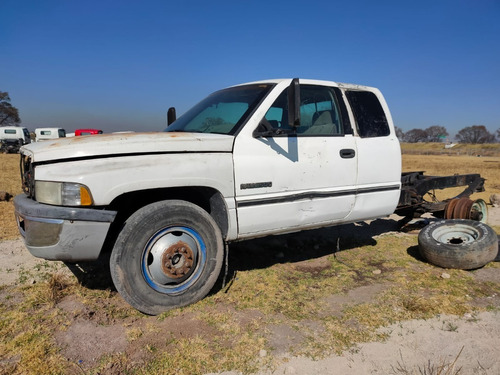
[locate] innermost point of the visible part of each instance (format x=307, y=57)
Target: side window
x=319, y=112
x=277, y=115
x=368, y=113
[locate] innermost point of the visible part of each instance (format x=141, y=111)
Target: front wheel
x=168, y=254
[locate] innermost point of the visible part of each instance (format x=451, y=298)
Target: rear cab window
x=368, y=113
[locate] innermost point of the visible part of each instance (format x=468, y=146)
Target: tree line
x=9, y=115
x=476, y=134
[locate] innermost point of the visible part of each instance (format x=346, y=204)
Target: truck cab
x=250, y=160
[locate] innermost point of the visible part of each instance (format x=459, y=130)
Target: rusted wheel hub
x=177, y=260
x=465, y=208
x=450, y=207
x=172, y=258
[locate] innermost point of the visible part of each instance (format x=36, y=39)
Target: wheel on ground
x=168, y=254
x=462, y=244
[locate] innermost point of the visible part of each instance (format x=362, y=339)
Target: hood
x=127, y=143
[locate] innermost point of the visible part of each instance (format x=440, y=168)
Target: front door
x=298, y=180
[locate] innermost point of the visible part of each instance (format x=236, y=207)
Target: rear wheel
x=168, y=254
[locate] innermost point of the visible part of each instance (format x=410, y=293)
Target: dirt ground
x=413, y=347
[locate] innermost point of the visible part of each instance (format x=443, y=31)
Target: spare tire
x=462, y=244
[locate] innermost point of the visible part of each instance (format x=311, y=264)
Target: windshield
x=222, y=112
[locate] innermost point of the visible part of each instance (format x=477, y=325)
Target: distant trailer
x=79, y=132
x=43, y=134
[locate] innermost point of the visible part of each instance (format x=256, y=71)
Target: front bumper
x=62, y=233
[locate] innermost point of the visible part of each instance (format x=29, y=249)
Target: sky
x=119, y=65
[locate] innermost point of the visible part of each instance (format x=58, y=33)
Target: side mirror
x=263, y=130
x=294, y=103
x=171, y=116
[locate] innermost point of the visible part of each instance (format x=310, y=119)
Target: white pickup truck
x=251, y=160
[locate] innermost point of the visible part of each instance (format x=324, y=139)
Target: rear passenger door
x=298, y=180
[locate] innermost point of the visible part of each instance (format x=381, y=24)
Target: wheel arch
x=209, y=199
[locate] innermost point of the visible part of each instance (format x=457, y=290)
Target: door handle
x=347, y=153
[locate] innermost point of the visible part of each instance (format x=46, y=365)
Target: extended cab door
x=379, y=155
x=293, y=180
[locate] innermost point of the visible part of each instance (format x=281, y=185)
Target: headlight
x=62, y=193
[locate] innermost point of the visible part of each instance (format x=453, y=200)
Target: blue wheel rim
x=173, y=250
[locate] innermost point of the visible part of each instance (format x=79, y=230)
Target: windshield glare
x=222, y=112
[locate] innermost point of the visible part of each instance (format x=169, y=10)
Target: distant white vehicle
x=70, y=134
x=15, y=132
x=12, y=138
x=42, y=134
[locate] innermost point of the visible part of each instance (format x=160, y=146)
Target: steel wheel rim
x=173, y=259
x=455, y=234
x=479, y=205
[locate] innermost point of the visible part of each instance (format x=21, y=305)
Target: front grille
x=27, y=175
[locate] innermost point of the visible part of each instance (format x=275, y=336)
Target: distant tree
x=436, y=133
x=9, y=115
x=415, y=135
x=498, y=134
x=475, y=134
x=400, y=134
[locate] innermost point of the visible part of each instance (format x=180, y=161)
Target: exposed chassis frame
x=414, y=186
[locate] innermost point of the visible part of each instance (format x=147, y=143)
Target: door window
x=319, y=112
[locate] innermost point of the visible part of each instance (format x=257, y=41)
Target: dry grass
x=429, y=368
x=490, y=149
x=461, y=159
x=10, y=178
x=8, y=226
x=440, y=165
x=10, y=181
x=286, y=293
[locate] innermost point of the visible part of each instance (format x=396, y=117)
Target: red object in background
x=87, y=132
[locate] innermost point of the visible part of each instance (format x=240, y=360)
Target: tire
x=169, y=254
x=462, y=244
